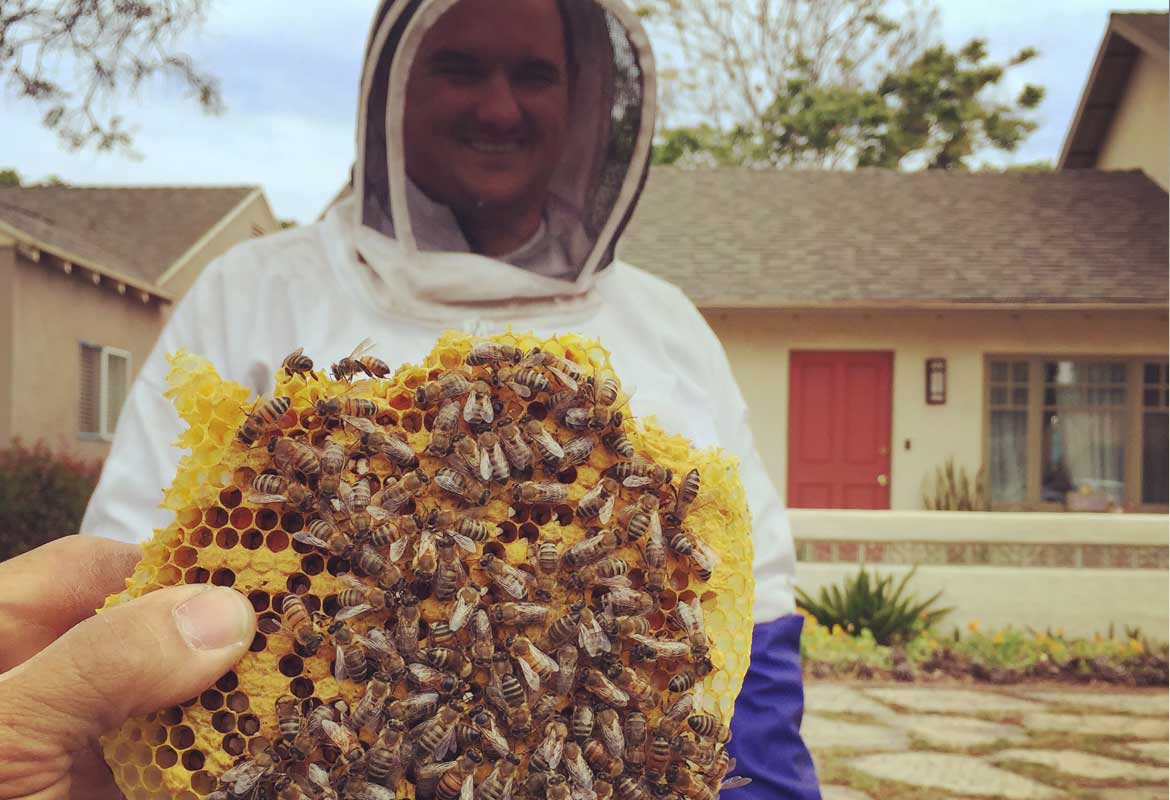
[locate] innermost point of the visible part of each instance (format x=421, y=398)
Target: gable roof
x=737, y=237
x=1127, y=37
x=133, y=232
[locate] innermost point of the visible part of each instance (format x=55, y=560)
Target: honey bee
x=588, y=551
x=277, y=489
x=447, y=659
x=358, y=598
x=511, y=580
x=482, y=647
x=599, y=501
x=406, y=626
x=578, y=771
x=567, y=674
x=465, y=488
x=535, y=664
x=293, y=727
x=625, y=627
x=682, y=681
x=623, y=601
x=603, y=790
x=451, y=574
x=384, y=763
x=393, y=445
x=368, y=710
x=396, y=494
x=294, y=459
x=295, y=622
x=332, y=460
x=524, y=381
x=508, y=688
x=467, y=457
x=616, y=442
x=629, y=787
x=577, y=452
x=583, y=718
x=532, y=493
x=346, y=407
x=652, y=649
x=350, y=661
x=498, y=467
x=590, y=635
x=544, y=558
x=641, y=692
x=610, y=572
x=564, y=629
x=690, y=619
x=658, y=757
x=355, y=501
x=478, y=411
x=493, y=353
x=297, y=362
x=688, y=490
x=639, y=472
x=547, y=754
x=345, y=740
x=567, y=372
x=612, y=736
x=466, y=602
x=707, y=726
x=676, y=715
x=447, y=386
x=601, y=760
x=642, y=515
x=493, y=741
x=518, y=615
x=412, y=708
x=287, y=789
x=556, y=788
x=325, y=535
x=383, y=654
x=265, y=414
x=424, y=677
x=351, y=365
x=465, y=530
x=498, y=784
x=443, y=428
x=545, y=706
x=703, y=755
x=245, y=778
x=516, y=450
x=605, y=689
x=705, y=559
x=546, y=446
x=425, y=563
x=609, y=400
x=459, y=781
x=636, y=731
x=436, y=736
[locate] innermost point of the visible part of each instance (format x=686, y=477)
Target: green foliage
x=42, y=495
x=876, y=605
x=9, y=177
x=954, y=491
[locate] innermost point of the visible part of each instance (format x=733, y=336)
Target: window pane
x=998, y=395
x=118, y=377
x=1020, y=371
x=1020, y=396
x=1150, y=398
x=1117, y=372
x=1049, y=397
x=87, y=401
x=1084, y=451
x=1154, y=458
x=1009, y=441
x=999, y=371
x=1150, y=372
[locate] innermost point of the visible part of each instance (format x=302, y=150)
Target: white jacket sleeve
x=143, y=457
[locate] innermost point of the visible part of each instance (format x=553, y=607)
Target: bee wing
x=469, y=408
x=552, y=748
x=446, y=743
x=270, y=626
x=697, y=613
x=345, y=494
x=377, y=513
x=460, y=614
x=465, y=542
x=685, y=614
x=449, y=482
x=615, y=582
x=244, y=776
x=704, y=555
x=634, y=481
x=338, y=667
x=592, y=638
x=318, y=776
x=554, y=447
x=261, y=499
x=361, y=423
x=362, y=348
x=304, y=537
x=488, y=413
x=467, y=791
x=485, y=464
x=734, y=783
x=542, y=658
x=562, y=376
x=376, y=642
x=613, y=739
x=349, y=612
x=398, y=548
x=530, y=676
x=607, y=510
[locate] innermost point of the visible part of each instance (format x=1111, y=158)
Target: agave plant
x=891, y=615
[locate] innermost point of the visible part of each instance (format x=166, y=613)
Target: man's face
x=487, y=105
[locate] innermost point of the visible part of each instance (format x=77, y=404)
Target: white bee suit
x=388, y=263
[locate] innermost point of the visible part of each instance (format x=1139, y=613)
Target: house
x=88, y=276
x=1124, y=113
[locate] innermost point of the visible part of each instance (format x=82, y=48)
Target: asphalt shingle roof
x=735, y=237
x=136, y=231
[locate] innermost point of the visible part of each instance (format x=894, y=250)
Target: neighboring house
x=88, y=276
x=1123, y=120
x=1037, y=300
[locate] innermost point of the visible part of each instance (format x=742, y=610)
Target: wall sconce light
x=936, y=381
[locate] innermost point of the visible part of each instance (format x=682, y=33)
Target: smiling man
x=501, y=148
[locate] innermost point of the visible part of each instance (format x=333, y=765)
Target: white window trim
x=103, y=433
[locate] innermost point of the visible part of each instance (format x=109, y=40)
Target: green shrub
x=954, y=491
x=42, y=495
x=876, y=605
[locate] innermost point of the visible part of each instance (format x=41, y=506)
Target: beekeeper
x=501, y=148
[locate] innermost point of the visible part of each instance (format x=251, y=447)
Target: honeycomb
x=222, y=532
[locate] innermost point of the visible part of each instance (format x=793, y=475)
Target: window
x=1069, y=432
x=104, y=383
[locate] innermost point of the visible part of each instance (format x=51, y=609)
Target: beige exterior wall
x=7, y=335
x=54, y=313
x=239, y=228
x=1140, y=134
x=922, y=436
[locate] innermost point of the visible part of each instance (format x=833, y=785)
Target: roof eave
x=72, y=258
x=210, y=233
x=1082, y=104
x=1138, y=37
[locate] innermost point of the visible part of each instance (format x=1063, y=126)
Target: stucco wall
x=54, y=313
x=255, y=214
x=922, y=436
x=1140, y=134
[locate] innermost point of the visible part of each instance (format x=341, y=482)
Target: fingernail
x=216, y=618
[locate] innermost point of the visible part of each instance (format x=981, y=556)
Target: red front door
x=839, y=429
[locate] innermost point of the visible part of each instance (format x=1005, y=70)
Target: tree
x=110, y=48
x=9, y=177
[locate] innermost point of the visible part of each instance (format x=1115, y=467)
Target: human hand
x=67, y=675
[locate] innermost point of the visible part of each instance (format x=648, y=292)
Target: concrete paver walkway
x=911, y=742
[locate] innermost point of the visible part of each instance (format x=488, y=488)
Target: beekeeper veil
x=411, y=237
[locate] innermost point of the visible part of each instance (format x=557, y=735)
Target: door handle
x=883, y=480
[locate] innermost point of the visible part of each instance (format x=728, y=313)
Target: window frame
x=103, y=434
x=1135, y=421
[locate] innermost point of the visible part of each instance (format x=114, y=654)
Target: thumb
x=158, y=650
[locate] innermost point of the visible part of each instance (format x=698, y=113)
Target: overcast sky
x=289, y=81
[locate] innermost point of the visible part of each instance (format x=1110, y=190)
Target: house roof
x=736, y=237
x=136, y=233
x=1127, y=37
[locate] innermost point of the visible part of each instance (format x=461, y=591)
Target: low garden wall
x=1079, y=572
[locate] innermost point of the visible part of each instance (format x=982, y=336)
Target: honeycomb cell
x=495, y=548
x=266, y=519
x=537, y=411
x=259, y=642
x=248, y=724
x=182, y=737
x=564, y=515
x=312, y=564
x=657, y=619
x=202, y=782
x=251, y=539
x=667, y=600
x=679, y=579
x=230, y=497
x=243, y=477
x=170, y=716
x=507, y=531
x=331, y=606
x=185, y=557
x=211, y=700
x=292, y=522
x=259, y=601
x=520, y=513
x=189, y=517
x=402, y=401
x=337, y=565
x=237, y=702
x=215, y=517
x=169, y=575
x=411, y=422
x=233, y=744
x=530, y=531
x=227, y=682
x=568, y=476
x=166, y=757
x=226, y=538
x=312, y=602
x=541, y=515
x=276, y=542
x=298, y=583
x=450, y=359
x=196, y=575
x=291, y=665
x=686, y=596
x=156, y=735
x=301, y=687
x=223, y=577
x=193, y=760
x=201, y=537
x=240, y=518
x=141, y=754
